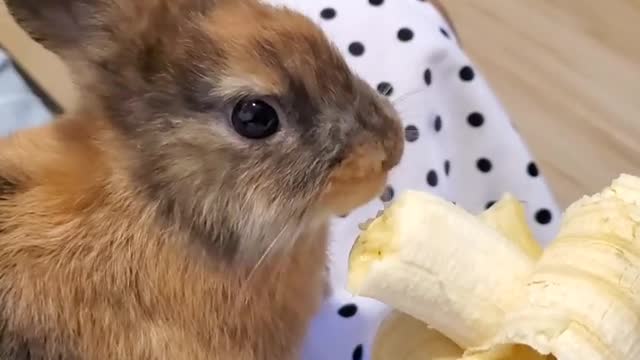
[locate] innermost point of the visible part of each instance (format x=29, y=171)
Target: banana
x=402, y=337
x=482, y=283
x=582, y=301
x=509, y=218
x=431, y=259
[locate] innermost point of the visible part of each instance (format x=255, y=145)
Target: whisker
x=411, y=114
x=265, y=254
x=260, y=262
x=387, y=90
x=407, y=96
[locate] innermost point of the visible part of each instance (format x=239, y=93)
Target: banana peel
x=579, y=299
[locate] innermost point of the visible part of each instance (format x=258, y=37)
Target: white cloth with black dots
x=460, y=143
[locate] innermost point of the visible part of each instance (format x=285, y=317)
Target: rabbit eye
x=255, y=119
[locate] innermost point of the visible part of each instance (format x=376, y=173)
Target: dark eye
x=255, y=119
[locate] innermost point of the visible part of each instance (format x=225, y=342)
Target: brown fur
x=140, y=226
x=89, y=271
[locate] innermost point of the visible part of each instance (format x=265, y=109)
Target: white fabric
x=403, y=64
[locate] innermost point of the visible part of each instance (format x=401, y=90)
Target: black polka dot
x=444, y=32
x=358, y=353
x=427, y=77
x=437, y=124
x=387, y=194
x=328, y=13
x=532, y=169
x=384, y=88
x=432, y=178
x=348, y=310
x=543, y=216
x=467, y=73
x=475, y=119
x=489, y=204
x=411, y=133
x=376, y=2
x=356, y=48
x=484, y=165
x=447, y=167
x=405, y=34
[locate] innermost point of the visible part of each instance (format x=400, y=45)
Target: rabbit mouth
x=344, y=195
x=358, y=178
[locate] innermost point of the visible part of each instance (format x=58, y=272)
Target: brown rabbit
x=180, y=212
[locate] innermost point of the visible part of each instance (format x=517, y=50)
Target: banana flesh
x=508, y=217
x=431, y=259
x=474, y=281
x=402, y=337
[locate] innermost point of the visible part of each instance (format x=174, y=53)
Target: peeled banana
x=428, y=258
x=582, y=300
x=481, y=282
x=402, y=337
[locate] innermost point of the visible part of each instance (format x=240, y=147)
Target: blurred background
x=568, y=72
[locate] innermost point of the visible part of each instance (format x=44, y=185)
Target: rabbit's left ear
x=59, y=25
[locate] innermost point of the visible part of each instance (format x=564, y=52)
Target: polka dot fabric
x=460, y=143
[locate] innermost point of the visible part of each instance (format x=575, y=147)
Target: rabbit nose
x=382, y=133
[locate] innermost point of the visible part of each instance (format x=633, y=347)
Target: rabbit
x=181, y=209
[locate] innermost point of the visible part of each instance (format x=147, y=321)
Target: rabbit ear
x=57, y=24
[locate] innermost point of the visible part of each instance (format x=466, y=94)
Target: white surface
x=19, y=107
